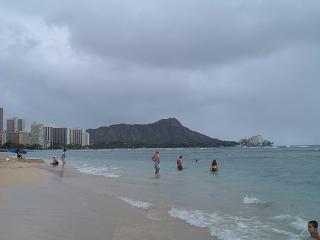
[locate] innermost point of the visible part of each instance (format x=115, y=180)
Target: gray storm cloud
x=229, y=69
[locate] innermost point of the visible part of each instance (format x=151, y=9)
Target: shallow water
x=258, y=193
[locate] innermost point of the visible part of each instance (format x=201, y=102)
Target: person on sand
x=180, y=163
x=19, y=155
x=54, y=162
x=156, y=160
x=214, y=166
x=313, y=229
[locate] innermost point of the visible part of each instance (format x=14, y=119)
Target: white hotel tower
x=37, y=134
x=79, y=137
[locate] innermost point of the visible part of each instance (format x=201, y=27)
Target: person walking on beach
x=180, y=163
x=313, y=229
x=156, y=160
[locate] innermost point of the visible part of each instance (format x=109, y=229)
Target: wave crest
x=136, y=203
x=109, y=172
x=228, y=227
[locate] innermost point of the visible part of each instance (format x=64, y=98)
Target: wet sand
x=65, y=204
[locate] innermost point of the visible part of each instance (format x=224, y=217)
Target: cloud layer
x=229, y=69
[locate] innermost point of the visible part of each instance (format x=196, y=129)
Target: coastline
x=46, y=203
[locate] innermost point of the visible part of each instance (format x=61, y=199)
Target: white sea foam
x=109, y=172
x=290, y=236
x=136, y=203
x=274, y=147
x=293, y=221
x=251, y=200
x=229, y=227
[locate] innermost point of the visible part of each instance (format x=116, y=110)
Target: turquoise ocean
x=258, y=193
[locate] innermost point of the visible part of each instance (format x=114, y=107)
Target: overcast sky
x=228, y=69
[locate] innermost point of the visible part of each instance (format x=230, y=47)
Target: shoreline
x=64, y=199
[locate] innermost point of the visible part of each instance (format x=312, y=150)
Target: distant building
x=255, y=141
x=3, y=138
x=76, y=136
x=1, y=120
x=37, y=134
x=79, y=137
x=18, y=138
x=12, y=125
x=3, y=135
x=85, y=138
x=15, y=125
x=48, y=136
x=21, y=125
x=60, y=136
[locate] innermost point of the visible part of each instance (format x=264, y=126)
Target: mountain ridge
x=162, y=133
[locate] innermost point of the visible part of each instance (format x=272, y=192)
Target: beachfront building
x=79, y=137
x=18, y=138
x=48, y=134
x=85, y=138
x=3, y=135
x=1, y=120
x=16, y=125
x=60, y=136
x=37, y=134
x=76, y=136
x=256, y=140
x=3, y=138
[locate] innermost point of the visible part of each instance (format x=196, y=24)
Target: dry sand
x=16, y=172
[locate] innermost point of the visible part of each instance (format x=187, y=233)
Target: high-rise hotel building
x=37, y=134
x=3, y=135
x=16, y=132
x=48, y=136
x=79, y=137
x=1, y=120
x=60, y=136
x=16, y=125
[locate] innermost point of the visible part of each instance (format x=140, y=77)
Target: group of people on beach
x=156, y=160
x=55, y=162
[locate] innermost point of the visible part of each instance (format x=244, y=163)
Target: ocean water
x=258, y=193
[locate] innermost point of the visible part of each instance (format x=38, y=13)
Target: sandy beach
x=37, y=202
x=19, y=172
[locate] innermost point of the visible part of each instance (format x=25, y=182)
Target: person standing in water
x=180, y=163
x=214, y=166
x=156, y=160
x=63, y=157
x=313, y=229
